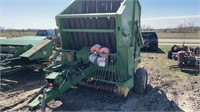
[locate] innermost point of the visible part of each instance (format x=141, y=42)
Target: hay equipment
x=100, y=49
x=24, y=52
x=188, y=58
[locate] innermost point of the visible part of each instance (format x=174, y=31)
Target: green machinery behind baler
x=25, y=51
x=112, y=24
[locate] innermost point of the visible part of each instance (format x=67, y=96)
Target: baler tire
x=140, y=81
x=169, y=55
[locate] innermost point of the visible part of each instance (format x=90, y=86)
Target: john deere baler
x=100, y=49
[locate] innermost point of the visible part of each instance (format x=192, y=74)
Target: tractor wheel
x=140, y=81
x=197, y=51
x=169, y=55
x=175, y=48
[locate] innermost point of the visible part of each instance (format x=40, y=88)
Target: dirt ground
x=168, y=90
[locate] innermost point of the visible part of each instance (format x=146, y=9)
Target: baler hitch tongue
x=35, y=101
x=57, y=84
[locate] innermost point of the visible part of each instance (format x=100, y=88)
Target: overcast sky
x=22, y=14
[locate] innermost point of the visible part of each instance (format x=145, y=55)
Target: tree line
x=181, y=28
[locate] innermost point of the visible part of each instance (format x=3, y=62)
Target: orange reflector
x=95, y=48
x=104, y=52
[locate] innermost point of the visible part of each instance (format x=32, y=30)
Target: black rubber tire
x=140, y=81
x=174, y=48
x=169, y=55
x=197, y=51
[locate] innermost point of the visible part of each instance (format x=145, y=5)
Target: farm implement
x=21, y=52
x=100, y=49
x=187, y=58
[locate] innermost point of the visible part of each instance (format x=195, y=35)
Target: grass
x=16, y=34
x=180, y=42
x=179, y=35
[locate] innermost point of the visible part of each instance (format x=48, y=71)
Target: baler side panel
x=137, y=33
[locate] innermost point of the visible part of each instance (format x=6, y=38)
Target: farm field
x=16, y=33
x=160, y=35
x=178, y=35
x=168, y=90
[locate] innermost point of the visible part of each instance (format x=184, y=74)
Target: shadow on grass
x=191, y=72
x=153, y=50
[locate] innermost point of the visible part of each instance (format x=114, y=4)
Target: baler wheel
x=140, y=81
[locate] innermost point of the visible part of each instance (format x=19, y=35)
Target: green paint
x=24, y=50
x=25, y=40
